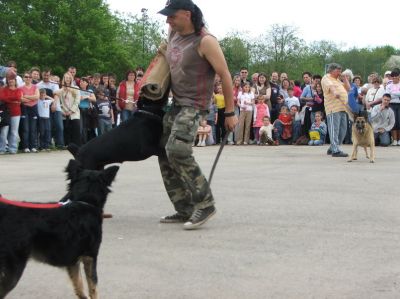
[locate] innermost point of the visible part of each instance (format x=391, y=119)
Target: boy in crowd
x=44, y=119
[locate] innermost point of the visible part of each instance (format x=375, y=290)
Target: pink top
x=29, y=92
x=260, y=111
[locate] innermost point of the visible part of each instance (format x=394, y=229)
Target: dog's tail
x=73, y=149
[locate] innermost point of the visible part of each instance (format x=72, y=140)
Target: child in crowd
x=106, y=117
x=296, y=123
x=219, y=100
x=203, y=133
x=266, y=131
x=246, y=102
x=212, y=118
x=318, y=130
x=283, y=126
x=44, y=119
x=291, y=99
x=260, y=111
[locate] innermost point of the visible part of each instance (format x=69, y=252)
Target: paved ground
x=291, y=223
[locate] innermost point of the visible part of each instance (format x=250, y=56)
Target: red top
x=12, y=97
x=123, y=96
x=32, y=205
x=29, y=91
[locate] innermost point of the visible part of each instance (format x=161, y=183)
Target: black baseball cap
x=172, y=6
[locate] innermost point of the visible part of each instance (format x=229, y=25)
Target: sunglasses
x=27, y=77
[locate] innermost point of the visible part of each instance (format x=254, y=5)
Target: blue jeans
x=384, y=138
x=57, y=130
x=104, y=125
x=10, y=133
x=126, y=114
x=316, y=142
x=45, y=132
x=337, y=127
x=30, y=122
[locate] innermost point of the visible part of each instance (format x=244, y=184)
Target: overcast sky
x=350, y=23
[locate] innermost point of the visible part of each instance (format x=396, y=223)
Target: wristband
x=229, y=114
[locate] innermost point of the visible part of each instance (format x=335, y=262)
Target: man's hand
x=231, y=122
x=381, y=130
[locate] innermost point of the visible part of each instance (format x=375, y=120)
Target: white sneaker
x=398, y=142
x=27, y=150
x=204, y=143
x=199, y=144
x=34, y=150
x=394, y=142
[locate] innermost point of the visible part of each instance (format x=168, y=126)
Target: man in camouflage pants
x=194, y=56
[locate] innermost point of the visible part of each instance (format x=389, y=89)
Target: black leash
x=221, y=147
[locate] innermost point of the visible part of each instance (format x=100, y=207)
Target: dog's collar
x=151, y=114
x=68, y=201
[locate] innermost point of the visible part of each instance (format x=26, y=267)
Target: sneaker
x=245, y=143
x=204, y=143
x=329, y=152
x=175, y=218
x=231, y=143
x=34, y=150
x=340, y=154
x=398, y=142
x=26, y=150
x=394, y=142
x=199, y=217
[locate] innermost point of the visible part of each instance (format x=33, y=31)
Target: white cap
x=388, y=73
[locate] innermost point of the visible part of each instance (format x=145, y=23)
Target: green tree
x=236, y=50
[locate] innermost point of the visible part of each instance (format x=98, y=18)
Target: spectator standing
x=374, y=94
x=12, y=65
x=383, y=120
x=212, y=118
x=246, y=102
x=51, y=85
x=307, y=78
x=127, y=95
x=44, y=119
x=112, y=87
x=336, y=98
x=291, y=99
x=220, y=103
x=237, y=87
x=393, y=88
x=276, y=99
x=105, y=112
x=87, y=108
x=244, y=72
x=285, y=84
x=260, y=111
x=29, y=117
x=69, y=99
x=262, y=90
x=12, y=96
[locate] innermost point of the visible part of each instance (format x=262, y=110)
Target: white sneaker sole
x=190, y=226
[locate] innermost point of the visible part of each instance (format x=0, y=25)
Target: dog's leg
x=76, y=278
x=90, y=266
x=366, y=152
x=354, y=152
x=10, y=275
x=372, y=153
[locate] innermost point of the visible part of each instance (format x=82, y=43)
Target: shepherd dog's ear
x=73, y=168
x=364, y=114
x=109, y=174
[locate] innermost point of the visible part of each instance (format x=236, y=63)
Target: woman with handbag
x=127, y=95
x=12, y=97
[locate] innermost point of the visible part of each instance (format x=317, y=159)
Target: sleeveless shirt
x=192, y=76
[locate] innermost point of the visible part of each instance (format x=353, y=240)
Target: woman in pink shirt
x=29, y=117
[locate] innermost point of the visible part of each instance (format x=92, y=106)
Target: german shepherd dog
x=363, y=135
x=62, y=236
x=136, y=139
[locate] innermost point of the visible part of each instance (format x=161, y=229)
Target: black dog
x=136, y=139
x=60, y=236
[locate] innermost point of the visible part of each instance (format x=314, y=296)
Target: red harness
x=32, y=205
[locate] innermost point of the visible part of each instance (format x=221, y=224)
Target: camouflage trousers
x=186, y=185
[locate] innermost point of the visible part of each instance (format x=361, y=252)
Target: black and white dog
x=59, y=234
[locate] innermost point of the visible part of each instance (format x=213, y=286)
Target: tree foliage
x=74, y=32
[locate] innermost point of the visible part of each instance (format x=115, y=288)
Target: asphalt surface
x=291, y=222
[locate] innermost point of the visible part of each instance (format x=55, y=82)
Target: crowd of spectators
x=312, y=111
x=40, y=111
